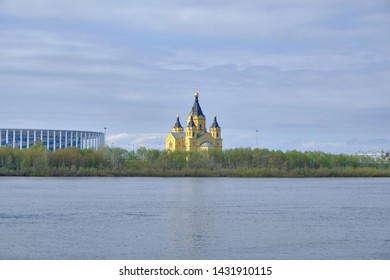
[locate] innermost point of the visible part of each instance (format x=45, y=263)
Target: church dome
x=196, y=109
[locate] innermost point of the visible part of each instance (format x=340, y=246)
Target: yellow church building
x=195, y=137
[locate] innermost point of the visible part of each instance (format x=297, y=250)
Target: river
x=194, y=218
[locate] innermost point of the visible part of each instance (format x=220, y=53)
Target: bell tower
x=215, y=131
x=177, y=127
x=191, y=135
x=198, y=117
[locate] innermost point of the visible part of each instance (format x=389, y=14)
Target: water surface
x=194, y=218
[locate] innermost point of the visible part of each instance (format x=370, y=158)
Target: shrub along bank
x=240, y=162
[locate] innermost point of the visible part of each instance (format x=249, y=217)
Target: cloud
x=140, y=140
x=321, y=145
x=117, y=137
x=292, y=69
x=352, y=146
x=134, y=141
x=200, y=18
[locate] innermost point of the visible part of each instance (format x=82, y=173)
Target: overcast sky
x=309, y=75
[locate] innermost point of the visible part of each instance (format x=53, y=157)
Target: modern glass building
x=18, y=138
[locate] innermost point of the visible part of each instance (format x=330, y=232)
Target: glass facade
x=51, y=139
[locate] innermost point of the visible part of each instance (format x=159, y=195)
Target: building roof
x=178, y=124
x=207, y=144
x=201, y=134
x=178, y=135
x=196, y=109
x=215, y=123
x=191, y=122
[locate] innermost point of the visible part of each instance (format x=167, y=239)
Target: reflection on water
x=194, y=218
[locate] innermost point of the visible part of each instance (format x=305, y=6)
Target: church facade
x=195, y=137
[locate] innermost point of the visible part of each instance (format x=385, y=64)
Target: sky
x=307, y=75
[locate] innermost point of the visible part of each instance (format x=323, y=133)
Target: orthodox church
x=195, y=137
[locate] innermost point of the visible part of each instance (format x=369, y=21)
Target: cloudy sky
x=309, y=75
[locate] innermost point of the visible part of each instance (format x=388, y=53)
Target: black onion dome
x=215, y=123
x=191, y=122
x=178, y=124
x=196, y=109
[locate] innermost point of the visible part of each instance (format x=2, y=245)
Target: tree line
x=245, y=162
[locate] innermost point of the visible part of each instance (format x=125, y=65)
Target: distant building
x=195, y=137
x=18, y=138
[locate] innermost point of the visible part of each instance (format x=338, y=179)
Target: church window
x=200, y=126
x=193, y=134
x=217, y=134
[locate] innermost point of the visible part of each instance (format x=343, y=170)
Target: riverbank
x=250, y=173
x=73, y=162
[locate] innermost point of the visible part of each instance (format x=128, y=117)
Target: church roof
x=178, y=124
x=196, y=109
x=207, y=144
x=177, y=135
x=191, y=122
x=215, y=123
x=201, y=134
